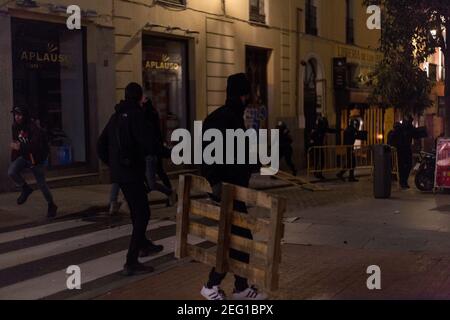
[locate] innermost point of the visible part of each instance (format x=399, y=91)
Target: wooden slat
x=254, y=274
x=252, y=197
x=201, y=255
x=212, y=212
x=183, y=216
x=211, y=234
x=200, y=184
x=223, y=243
x=274, y=249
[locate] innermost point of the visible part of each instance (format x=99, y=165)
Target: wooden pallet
x=299, y=182
x=266, y=274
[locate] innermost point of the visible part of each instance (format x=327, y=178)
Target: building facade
x=182, y=52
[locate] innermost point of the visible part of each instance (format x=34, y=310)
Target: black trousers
x=154, y=168
x=215, y=278
x=351, y=164
x=405, y=163
x=136, y=197
x=162, y=174
x=287, y=153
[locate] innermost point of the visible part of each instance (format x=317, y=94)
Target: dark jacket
x=285, y=138
x=125, y=143
x=407, y=134
x=350, y=136
x=33, y=142
x=230, y=116
x=394, y=138
x=318, y=134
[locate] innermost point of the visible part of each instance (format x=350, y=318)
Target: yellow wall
x=231, y=30
x=218, y=49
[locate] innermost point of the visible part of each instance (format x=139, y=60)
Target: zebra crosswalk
x=34, y=260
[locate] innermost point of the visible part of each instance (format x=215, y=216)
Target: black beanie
x=134, y=92
x=238, y=85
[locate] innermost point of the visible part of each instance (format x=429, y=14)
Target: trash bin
x=382, y=173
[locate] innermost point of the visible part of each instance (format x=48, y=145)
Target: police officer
x=350, y=137
x=318, y=135
x=405, y=154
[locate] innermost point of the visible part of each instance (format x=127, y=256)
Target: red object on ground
x=443, y=163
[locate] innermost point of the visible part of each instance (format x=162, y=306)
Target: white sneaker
x=213, y=294
x=250, y=293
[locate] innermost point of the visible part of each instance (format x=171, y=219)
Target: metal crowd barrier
x=333, y=159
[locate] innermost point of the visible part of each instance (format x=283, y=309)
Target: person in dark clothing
x=394, y=136
x=286, y=150
x=154, y=161
x=29, y=151
x=317, y=139
x=405, y=153
x=230, y=116
x=394, y=139
x=350, y=137
x=123, y=146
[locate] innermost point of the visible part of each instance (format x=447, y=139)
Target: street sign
x=442, y=176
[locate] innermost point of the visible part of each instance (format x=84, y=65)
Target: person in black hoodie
x=29, y=151
x=230, y=116
x=124, y=145
x=317, y=140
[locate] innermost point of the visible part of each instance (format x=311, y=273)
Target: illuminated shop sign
x=164, y=63
x=49, y=56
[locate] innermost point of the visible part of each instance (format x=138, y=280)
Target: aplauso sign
x=163, y=64
x=49, y=56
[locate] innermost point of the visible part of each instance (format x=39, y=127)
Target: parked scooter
x=425, y=172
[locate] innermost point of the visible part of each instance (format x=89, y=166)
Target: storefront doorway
x=257, y=60
x=310, y=98
x=165, y=78
x=49, y=81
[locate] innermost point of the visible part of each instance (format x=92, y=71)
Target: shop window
x=311, y=18
x=49, y=81
x=257, y=11
x=165, y=75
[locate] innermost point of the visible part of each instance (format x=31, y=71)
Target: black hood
x=238, y=86
x=126, y=105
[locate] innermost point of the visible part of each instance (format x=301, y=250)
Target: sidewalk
x=85, y=199
x=70, y=201
x=333, y=238
x=312, y=273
